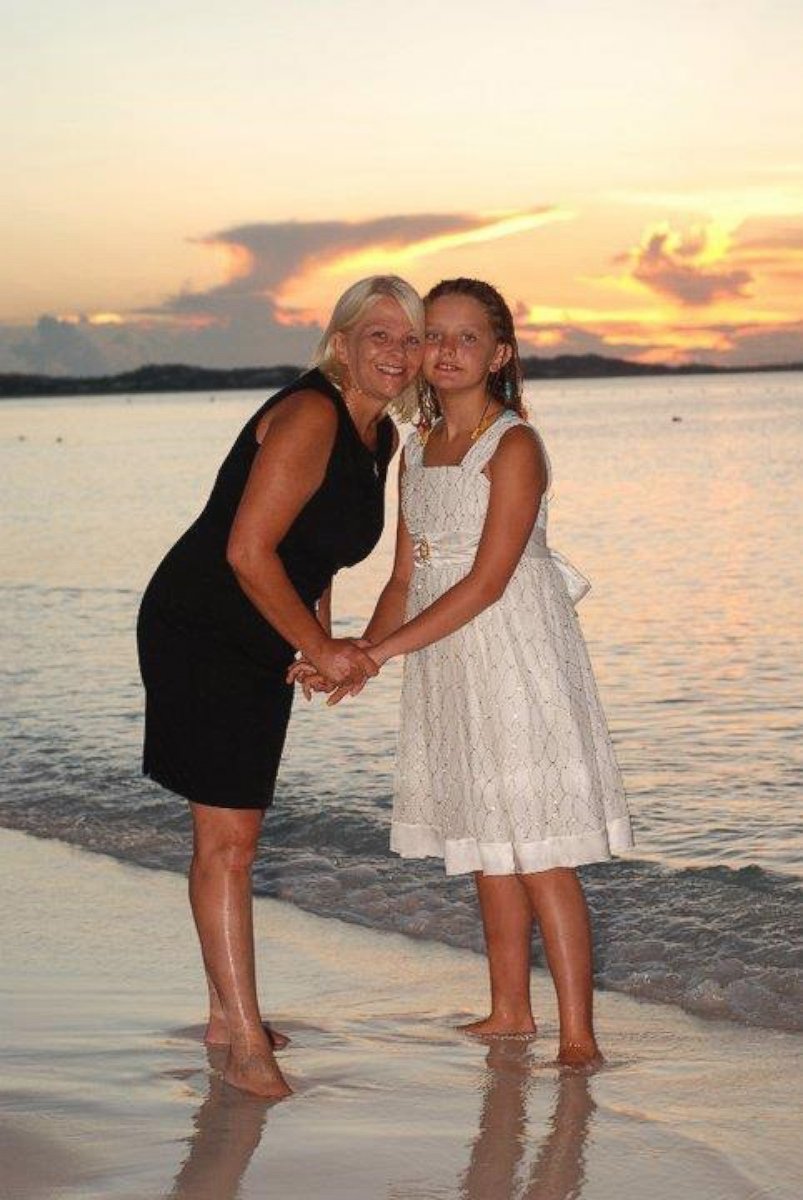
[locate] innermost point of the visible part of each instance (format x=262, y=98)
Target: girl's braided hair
x=504, y=385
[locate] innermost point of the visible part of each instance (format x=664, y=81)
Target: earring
x=507, y=391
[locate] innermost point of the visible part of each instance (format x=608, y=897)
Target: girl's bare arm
x=518, y=477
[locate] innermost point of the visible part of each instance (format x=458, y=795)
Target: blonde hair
x=350, y=308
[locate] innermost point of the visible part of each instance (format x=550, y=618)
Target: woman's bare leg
x=562, y=914
x=507, y=921
x=224, y=847
x=217, y=1030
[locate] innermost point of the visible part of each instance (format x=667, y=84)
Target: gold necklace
x=483, y=422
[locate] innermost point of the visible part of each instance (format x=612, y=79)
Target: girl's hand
x=300, y=669
x=339, y=693
x=313, y=682
x=340, y=662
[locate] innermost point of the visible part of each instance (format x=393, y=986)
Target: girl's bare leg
x=507, y=921
x=560, y=909
x=217, y=1030
x=224, y=847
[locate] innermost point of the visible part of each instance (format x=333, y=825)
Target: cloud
x=611, y=339
x=729, y=206
x=273, y=273
x=53, y=346
x=684, y=266
x=750, y=344
x=252, y=318
x=720, y=343
x=266, y=259
x=772, y=247
x=57, y=346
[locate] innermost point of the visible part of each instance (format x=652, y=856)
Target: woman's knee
x=226, y=838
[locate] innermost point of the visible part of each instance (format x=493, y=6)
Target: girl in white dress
x=505, y=765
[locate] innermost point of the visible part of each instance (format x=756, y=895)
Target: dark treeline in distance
x=172, y=377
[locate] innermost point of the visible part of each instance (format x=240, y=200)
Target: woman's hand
x=337, y=663
x=339, y=693
x=342, y=661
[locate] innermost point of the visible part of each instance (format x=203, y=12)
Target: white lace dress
x=505, y=763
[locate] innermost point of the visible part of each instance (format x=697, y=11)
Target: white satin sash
x=459, y=549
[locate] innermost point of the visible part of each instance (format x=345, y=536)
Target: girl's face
x=460, y=346
x=382, y=352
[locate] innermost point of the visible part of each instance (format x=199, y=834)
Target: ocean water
x=679, y=498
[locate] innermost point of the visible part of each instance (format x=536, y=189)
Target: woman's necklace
x=372, y=449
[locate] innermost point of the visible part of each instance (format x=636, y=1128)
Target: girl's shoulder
x=508, y=426
x=519, y=430
x=514, y=434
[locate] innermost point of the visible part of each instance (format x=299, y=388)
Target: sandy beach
x=108, y=1091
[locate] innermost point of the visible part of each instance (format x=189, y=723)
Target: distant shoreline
x=171, y=377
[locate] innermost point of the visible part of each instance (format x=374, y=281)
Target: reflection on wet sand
x=228, y=1128
x=502, y=1142
x=229, y=1125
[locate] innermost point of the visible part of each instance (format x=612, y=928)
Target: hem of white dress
x=510, y=858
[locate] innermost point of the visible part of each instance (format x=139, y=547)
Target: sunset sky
x=197, y=182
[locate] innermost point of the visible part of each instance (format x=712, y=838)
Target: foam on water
x=718, y=942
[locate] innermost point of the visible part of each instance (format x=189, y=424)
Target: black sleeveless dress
x=217, y=704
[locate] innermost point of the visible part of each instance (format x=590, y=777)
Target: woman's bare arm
x=288, y=469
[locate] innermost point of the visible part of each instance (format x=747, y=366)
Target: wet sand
x=108, y=1092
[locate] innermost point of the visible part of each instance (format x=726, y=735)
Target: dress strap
x=413, y=450
x=486, y=444
x=483, y=449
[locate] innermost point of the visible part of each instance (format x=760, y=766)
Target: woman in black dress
x=300, y=495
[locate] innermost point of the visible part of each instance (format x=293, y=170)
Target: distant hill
x=176, y=377
x=598, y=366
x=168, y=377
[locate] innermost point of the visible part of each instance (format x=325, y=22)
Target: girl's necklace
x=484, y=422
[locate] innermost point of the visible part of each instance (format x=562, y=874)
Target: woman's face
x=382, y=352
x=460, y=346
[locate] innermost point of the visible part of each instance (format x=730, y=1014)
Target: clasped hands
x=342, y=667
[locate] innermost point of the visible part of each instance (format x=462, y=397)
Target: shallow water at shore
x=687, y=529
x=108, y=1094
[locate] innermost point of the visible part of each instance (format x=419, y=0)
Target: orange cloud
x=647, y=339
x=681, y=293
x=390, y=258
x=687, y=266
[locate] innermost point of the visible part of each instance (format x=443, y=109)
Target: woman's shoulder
x=304, y=406
x=311, y=388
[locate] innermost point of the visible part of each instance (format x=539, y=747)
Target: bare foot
x=584, y=1056
x=217, y=1034
x=258, y=1074
x=522, y=1029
